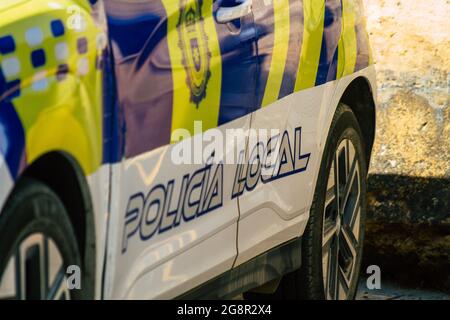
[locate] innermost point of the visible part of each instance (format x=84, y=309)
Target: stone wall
x=409, y=181
x=411, y=45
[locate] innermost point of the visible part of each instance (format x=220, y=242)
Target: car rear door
x=180, y=74
x=297, y=51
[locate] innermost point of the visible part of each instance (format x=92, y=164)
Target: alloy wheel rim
x=35, y=270
x=341, y=222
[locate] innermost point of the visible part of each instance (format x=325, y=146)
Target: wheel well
x=64, y=176
x=358, y=96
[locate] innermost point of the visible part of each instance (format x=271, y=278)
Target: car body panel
x=165, y=211
x=285, y=207
x=52, y=95
x=283, y=67
x=63, y=88
x=191, y=60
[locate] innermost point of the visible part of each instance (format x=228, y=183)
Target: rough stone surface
x=413, y=138
x=409, y=200
x=408, y=233
x=411, y=46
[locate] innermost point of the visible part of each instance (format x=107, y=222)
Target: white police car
x=183, y=148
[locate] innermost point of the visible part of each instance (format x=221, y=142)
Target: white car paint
x=180, y=259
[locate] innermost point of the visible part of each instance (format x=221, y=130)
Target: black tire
x=34, y=209
x=310, y=276
x=307, y=282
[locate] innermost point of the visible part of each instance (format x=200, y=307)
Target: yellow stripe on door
x=195, y=62
x=280, y=51
x=314, y=16
x=347, y=50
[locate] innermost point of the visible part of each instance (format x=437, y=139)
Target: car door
x=173, y=222
x=297, y=51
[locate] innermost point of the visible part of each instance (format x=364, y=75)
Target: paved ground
x=390, y=291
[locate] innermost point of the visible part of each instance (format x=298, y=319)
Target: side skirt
x=254, y=273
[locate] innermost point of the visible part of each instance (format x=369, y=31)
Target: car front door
x=184, y=69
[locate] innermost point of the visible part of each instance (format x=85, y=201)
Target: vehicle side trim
x=256, y=272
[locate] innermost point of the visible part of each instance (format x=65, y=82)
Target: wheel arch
x=62, y=173
x=359, y=97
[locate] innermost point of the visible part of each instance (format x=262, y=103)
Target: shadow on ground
x=409, y=200
x=408, y=230
x=392, y=291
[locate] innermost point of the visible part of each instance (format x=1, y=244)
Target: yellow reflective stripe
x=280, y=51
x=341, y=59
x=185, y=111
x=348, y=42
x=57, y=115
x=314, y=15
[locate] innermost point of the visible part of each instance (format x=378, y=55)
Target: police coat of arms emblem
x=194, y=47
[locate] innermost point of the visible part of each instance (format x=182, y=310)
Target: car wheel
x=37, y=243
x=333, y=240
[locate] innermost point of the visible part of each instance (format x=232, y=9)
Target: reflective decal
x=195, y=63
x=240, y=70
x=347, y=43
x=165, y=206
x=194, y=47
x=295, y=46
x=327, y=69
x=279, y=157
x=168, y=205
x=53, y=83
x=279, y=51
x=142, y=60
x=314, y=18
x=183, y=65
x=12, y=137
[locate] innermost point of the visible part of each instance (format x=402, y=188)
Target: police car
x=154, y=149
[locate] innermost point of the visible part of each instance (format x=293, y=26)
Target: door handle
x=228, y=14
